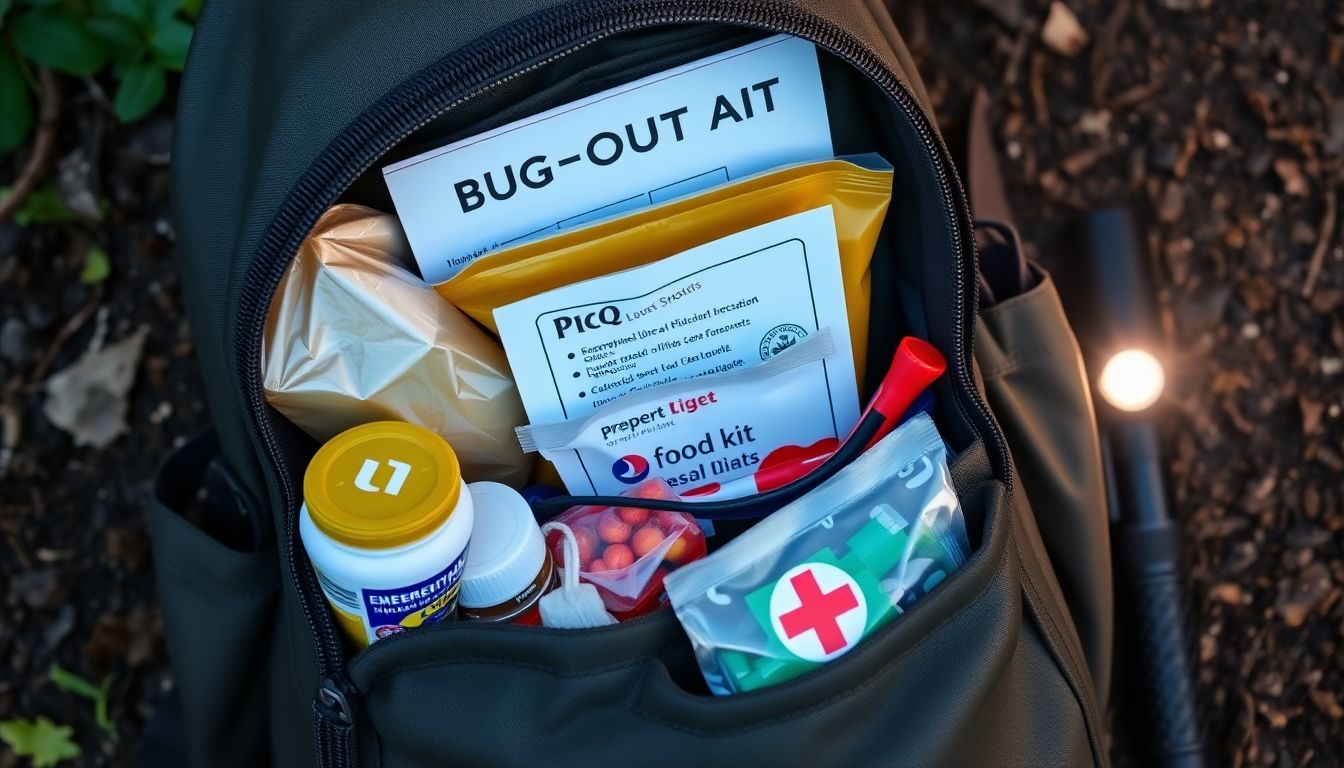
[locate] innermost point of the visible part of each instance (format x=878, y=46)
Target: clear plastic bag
x=627, y=552
x=808, y=583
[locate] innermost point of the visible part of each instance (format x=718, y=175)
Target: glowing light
x=1132, y=380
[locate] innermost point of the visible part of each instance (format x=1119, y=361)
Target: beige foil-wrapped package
x=353, y=336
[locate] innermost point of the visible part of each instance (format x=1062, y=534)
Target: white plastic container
x=509, y=567
x=386, y=521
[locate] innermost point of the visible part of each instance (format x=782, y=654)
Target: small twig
x=44, y=145
x=11, y=426
x=1322, y=243
x=1189, y=148
x=24, y=562
x=69, y=329
x=1137, y=93
x=1104, y=50
x=1037, y=84
x=1013, y=69
x=1082, y=160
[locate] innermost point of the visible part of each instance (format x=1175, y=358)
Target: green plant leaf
x=120, y=33
x=100, y=714
x=43, y=205
x=170, y=41
x=16, y=107
x=142, y=86
x=140, y=12
x=96, y=269
x=56, y=37
x=165, y=9
x=191, y=8
x=44, y=741
x=63, y=678
x=4, y=8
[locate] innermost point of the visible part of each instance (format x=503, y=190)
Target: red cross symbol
x=819, y=611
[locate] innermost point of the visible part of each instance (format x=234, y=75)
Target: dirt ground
x=1224, y=125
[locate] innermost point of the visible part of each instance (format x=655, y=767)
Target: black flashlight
x=1113, y=307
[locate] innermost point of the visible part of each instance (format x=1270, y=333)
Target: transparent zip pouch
x=810, y=582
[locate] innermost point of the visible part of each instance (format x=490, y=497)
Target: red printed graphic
x=818, y=611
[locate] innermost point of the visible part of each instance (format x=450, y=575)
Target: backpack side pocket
x=218, y=590
x=1038, y=390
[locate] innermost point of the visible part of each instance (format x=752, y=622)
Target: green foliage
x=169, y=43
x=42, y=206
x=142, y=86
x=44, y=741
x=16, y=111
x=138, y=41
x=63, y=678
x=56, y=37
x=97, y=267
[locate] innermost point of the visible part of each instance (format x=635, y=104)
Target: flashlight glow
x=1132, y=380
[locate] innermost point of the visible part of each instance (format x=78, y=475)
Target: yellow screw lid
x=382, y=485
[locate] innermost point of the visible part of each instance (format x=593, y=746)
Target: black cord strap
x=732, y=509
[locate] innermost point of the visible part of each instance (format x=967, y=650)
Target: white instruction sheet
x=699, y=125
x=725, y=305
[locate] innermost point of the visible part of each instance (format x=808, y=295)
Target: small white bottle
x=509, y=567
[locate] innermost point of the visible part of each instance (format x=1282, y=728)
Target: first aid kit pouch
x=810, y=582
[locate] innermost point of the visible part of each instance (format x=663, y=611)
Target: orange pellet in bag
x=627, y=552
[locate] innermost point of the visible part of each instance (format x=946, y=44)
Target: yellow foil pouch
x=858, y=189
x=354, y=336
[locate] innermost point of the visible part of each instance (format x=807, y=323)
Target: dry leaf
x=1229, y=593
x=1062, y=32
x=1327, y=703
x=88, y=399
x=1290, y=173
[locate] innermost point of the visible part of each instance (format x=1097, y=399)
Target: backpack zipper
x=494, y=59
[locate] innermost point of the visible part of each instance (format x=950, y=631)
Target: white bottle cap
x=507, y=550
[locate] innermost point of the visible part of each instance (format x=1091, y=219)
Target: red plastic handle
x=915, y=366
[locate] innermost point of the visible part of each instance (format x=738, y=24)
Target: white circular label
x=818, y=611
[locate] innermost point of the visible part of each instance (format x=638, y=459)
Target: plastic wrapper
x=354, y=336
x=709, y=435
x=858, y=189
x=810, y=582
x=627, y=553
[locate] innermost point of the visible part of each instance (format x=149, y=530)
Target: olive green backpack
x=287, y=107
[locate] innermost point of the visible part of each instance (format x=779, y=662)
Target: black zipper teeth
x=473, y=71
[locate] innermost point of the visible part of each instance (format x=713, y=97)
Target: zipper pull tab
x=333, y=702
x=335, y=724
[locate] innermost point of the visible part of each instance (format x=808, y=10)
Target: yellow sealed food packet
x=858, y=189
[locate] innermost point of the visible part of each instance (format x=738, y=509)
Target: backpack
x=288, y=107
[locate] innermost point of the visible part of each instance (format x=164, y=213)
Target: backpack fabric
x=286, y=108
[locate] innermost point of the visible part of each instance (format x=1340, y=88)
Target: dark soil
x=1225, y=125
x=78, y=586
